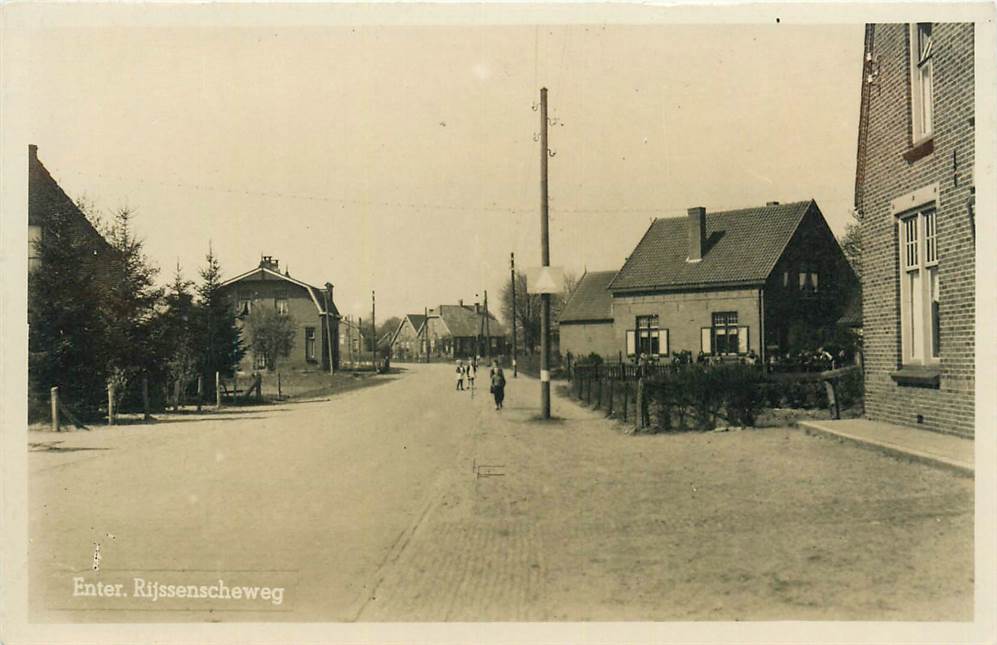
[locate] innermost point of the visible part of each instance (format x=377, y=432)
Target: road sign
x=545, y=280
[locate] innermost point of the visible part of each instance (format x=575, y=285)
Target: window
x=809, y=280
x=725, y=336
x=34, y=239
x=310, y=343
x=921, y=80
x=259, y=361
x=281, y=304
x=919, y=292
x=244, y=307
x=648, y=337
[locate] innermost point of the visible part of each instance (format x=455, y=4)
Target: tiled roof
x=265, y=273
x=591, y=299
x=742, y=248
x=462, y=321
x=417, y=320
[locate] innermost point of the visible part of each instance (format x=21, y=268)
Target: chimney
x=477, y=307
x=328, y=289
x=460, y=302
x=269, y=262
x=771, y=203
x=697, y=233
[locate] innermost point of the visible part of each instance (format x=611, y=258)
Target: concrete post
x=54, y=395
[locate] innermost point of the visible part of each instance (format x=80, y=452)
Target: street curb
x=814, y=428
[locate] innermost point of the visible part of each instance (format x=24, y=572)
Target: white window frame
x=917, y=235
x=657, y=331
x=921, y=82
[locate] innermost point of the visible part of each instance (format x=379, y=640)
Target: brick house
x=461, y=331
x=313, y=310
x=407, y=340
x=586, y=318
x=762, y=280
x=914, y=192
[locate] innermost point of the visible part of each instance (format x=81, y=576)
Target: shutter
x=704, y=341
x=663, y=346
x=742, y=340
x=631, y=343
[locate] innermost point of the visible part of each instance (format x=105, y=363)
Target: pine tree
x=129, y=300
x=218, y=339
x=65, y=317
x=177, y=336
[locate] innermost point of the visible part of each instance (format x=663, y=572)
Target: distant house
x=407, y=341
x=586, y=319
x=763, y=280
x=916, y=195
x=461, y=331
x=313, y=309
x=351, y=347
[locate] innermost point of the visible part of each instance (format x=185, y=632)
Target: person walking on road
x=472, y=371
x=460, y=375
x=497, y=384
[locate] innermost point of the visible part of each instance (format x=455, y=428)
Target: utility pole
x=373, y=332
x=488, y=329
x=545, y=261
x=425, y=330
x=512, y=270
x=328, y=323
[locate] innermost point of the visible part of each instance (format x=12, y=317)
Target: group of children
x=466, y=373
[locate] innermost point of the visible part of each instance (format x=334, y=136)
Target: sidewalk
x=933, y=448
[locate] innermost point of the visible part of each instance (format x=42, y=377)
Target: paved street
x=409, y=501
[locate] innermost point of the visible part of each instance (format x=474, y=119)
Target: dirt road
x=409, y=501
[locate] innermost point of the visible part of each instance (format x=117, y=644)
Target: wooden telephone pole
x=373, y=331
x=545, y=261
x=512, y=270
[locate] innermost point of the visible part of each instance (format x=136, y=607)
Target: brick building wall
x=684, y=314
x=301, y=308
x=581, y=339
x=889, y=167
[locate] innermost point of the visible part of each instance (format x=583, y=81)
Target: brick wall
x=685, y=314
x=885, y=175
x=581, y=339
x=300, y=306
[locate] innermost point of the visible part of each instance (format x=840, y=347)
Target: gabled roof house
x=754, y=280
x=313, y=309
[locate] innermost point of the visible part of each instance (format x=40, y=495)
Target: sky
x=403, y=159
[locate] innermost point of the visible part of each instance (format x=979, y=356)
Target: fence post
x=218, y=389
x=145, y=397
x=832, y=401
x=626, y=396
x=110, y=404
x=612, y=388
x=278, y=386
x=639, y=411
x=54, y=395
x=598, y=399
x=200, y=391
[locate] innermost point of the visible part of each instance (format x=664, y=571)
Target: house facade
x=586, y=318
x=407, y=342
x=764, y=280
x=914, y=191
x=316, y=341
x=462, y=331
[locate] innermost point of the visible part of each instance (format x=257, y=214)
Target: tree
x=65, y=317
x=528, y=310
x=217, y=336
x=178, y=336
x=851, y=244
x=129, y=299
x=271, y=334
